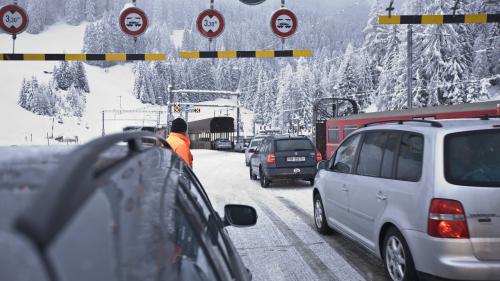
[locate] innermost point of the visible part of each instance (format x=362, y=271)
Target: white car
x=251, y=148
x=424, y=197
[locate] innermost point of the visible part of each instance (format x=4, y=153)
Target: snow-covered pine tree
x=79, y=76
x=91, y=13
x=74, y=11
x=37, y=15
x=63, y=76
x=347, y=85
x=76, y=100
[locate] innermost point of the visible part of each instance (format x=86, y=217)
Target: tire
x=311, y=182
x=247, y=163
x=395, y=252
x=264, y=182
x=319, y=216
x=252, y=176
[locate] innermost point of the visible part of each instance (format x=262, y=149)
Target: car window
x=294, y=145
x=344, y=159
x=255, y=143
x=333, y=135
x=370, y=156
x=411, y=150
x=205, y=209
x=191, y=258
x=391, y=146
x=473, y=158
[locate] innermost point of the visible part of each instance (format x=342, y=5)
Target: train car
x=338, y=129
x=204, y=132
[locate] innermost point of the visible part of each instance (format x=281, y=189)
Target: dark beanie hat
x=179, y=126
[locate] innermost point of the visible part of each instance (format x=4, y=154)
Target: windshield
x=255, y=143
x=473, y=158
x=294, y=145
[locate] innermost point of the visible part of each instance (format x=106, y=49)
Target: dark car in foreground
x=113, y=209
x=283, y=158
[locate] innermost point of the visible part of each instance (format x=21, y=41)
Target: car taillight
x=447, y=219
x=319, y=157
x=271, y=158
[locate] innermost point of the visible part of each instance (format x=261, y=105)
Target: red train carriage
x=339, y=128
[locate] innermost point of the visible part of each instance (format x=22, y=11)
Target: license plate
x=295, y=159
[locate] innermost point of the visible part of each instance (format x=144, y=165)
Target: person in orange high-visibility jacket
x=179, y=142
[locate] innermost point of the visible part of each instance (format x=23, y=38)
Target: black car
x=284, y=157
x=106, y=211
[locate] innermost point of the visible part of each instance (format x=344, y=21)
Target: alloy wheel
x=395, y=259
x=318, y=213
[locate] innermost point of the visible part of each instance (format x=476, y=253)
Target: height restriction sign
x=210, y=23
x=14, y=19
x=284, y=23
x=133, y=21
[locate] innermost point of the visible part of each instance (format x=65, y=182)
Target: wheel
x=320, y=217
x=247, y=163
x=252, y=176
x=311, y=182
x=264, y=182
x=397, y=257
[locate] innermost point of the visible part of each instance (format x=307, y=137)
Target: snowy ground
x=283, y=245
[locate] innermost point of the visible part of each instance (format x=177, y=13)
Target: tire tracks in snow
x=367, y=265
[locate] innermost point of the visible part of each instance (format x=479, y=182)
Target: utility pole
x=410, y=67
x=238, y=117
x=103, y=132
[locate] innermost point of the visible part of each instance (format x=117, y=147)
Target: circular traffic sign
x=284, y=23
x=252, y=2
x=14, y=19
x=133, y=21
x=210, y=23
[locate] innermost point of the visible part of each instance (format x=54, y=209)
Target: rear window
x=294, y=145
x=473, y=158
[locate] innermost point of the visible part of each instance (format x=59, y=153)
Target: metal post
x=410, y=69
x=14, y=43
x=169, y=106
x=282, y=3
x=238, y=117
x=212, y=4
x=103, y=132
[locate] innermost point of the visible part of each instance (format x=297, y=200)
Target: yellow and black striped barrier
x=83, y=57
x=245, y=54
x=440, y=19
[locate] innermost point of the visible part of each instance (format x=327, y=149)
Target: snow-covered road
x=284, y=244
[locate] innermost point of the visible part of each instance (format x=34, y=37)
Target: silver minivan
x=424, y=196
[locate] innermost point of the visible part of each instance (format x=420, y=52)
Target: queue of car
x=423, y=196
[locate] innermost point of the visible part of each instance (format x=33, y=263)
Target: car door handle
x=381, y=196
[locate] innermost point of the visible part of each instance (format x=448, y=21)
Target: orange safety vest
x=180, y=145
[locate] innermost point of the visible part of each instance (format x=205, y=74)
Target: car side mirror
x=323, y=165
x=239, y=216
x=252, y=150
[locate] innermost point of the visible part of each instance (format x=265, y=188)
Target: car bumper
x=291, y=173
x=451, y=259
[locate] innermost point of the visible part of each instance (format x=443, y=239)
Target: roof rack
x=434, y=124
x=68, y=191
